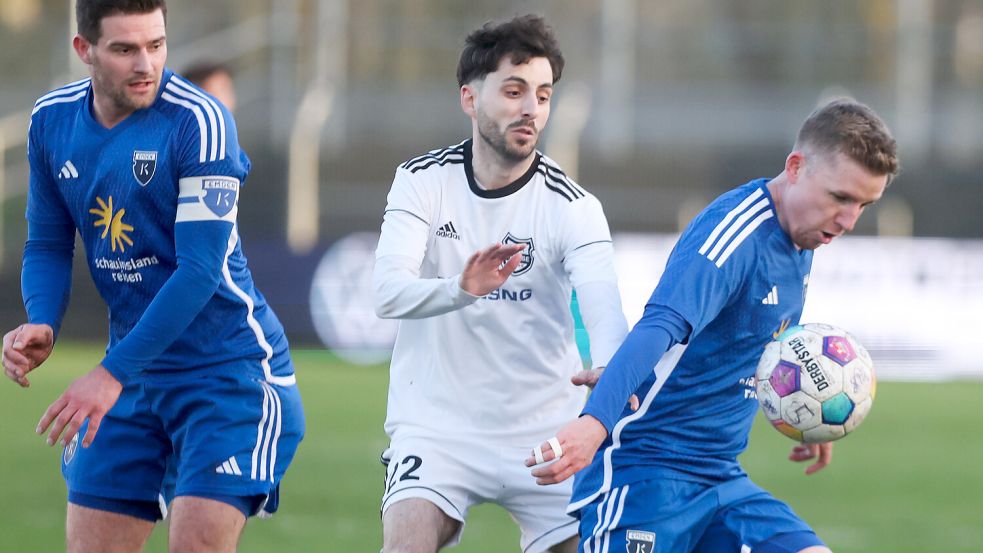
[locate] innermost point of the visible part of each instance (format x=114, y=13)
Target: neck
x=493, y=171
x=776, y=187
x=106, y=112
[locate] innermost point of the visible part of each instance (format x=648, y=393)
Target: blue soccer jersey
x=154, y=200
x=734, y=281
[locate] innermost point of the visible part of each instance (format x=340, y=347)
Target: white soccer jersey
x=498, y=366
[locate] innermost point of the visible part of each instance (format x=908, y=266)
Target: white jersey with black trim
x=497, y=366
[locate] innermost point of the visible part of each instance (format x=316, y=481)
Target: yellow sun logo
x=781, y=329
x=113, y=224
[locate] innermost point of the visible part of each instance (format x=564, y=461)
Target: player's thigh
x=539, y=511
x=751, y=518
x=90, y=530
x=439, y=470
x=204, y=525
x=234, y=437
x=121, y=471
x=664, y=516
x=567, y=546
x=417, y=526
x=451, y=472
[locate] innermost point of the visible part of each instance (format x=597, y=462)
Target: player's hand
x=24, y=348
x=806, y=452
x=579, y=441
x=489, y=268
x=589, y=377
x=89, y=397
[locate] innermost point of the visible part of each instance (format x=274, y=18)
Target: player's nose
x=530, y=106
x=142, y=62
x=847, y=218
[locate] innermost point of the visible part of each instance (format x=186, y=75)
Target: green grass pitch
x=909, y=480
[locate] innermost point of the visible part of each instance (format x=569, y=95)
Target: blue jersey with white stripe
x=154, y=200
x=737, y=280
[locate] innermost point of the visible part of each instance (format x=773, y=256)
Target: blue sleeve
x=200, y=249
x=46, y=275
x=204, y=233
x=691, y=293
x=659, y=329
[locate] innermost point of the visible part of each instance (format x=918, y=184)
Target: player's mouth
x=525, y=130
x=828, y=237
x=142, y=86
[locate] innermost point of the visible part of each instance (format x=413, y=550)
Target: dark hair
x=849, y=127
x=522, y=38
x=201, y=71
x=89, y=13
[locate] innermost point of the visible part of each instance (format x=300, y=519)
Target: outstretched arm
x=400, y=293
x=659, y=329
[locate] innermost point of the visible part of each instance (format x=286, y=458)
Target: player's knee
x=210, y=538
x=205, y=525
x=416, y=541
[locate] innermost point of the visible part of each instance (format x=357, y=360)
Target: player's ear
x=468, y=99
x=83, y=48
x=794, y=164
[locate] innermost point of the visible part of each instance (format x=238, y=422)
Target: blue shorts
x=677, y=516
x=229, y=437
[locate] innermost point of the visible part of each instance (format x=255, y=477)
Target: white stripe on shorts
x=608, y=515
x=259, y=434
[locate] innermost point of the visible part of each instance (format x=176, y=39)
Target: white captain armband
x=208, y=198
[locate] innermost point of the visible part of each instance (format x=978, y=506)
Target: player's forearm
x=604, y=319
x=46, y=276
x=400, y=293
x=659, y=329
x=201, y=251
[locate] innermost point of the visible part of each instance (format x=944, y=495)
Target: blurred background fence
x=663, y=105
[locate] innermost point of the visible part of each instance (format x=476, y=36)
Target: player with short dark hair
x=665, y=477
x=485, y=352
x=196, y=398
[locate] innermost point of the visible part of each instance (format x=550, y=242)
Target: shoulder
x=435, y=160
x=64, y=100
x=565, y=188
x=732, y=224
x=193, y=111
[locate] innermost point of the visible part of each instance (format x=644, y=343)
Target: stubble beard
x=513, y=153
x=122, y=101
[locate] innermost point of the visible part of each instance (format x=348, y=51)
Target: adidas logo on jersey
x=772, y=297
x=68, y=171
x=448, y=231
x=230, y=467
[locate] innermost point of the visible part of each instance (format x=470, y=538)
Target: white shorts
x=456, y=473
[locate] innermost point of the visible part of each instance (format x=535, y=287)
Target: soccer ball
x=815, y=383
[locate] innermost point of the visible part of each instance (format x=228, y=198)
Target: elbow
x=208, y=278
x=385, y=307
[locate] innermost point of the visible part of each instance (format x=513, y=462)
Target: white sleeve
x=400, y=293
x=591, y=270
x=583, y=223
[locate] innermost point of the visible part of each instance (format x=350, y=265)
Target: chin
x=523, y=150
